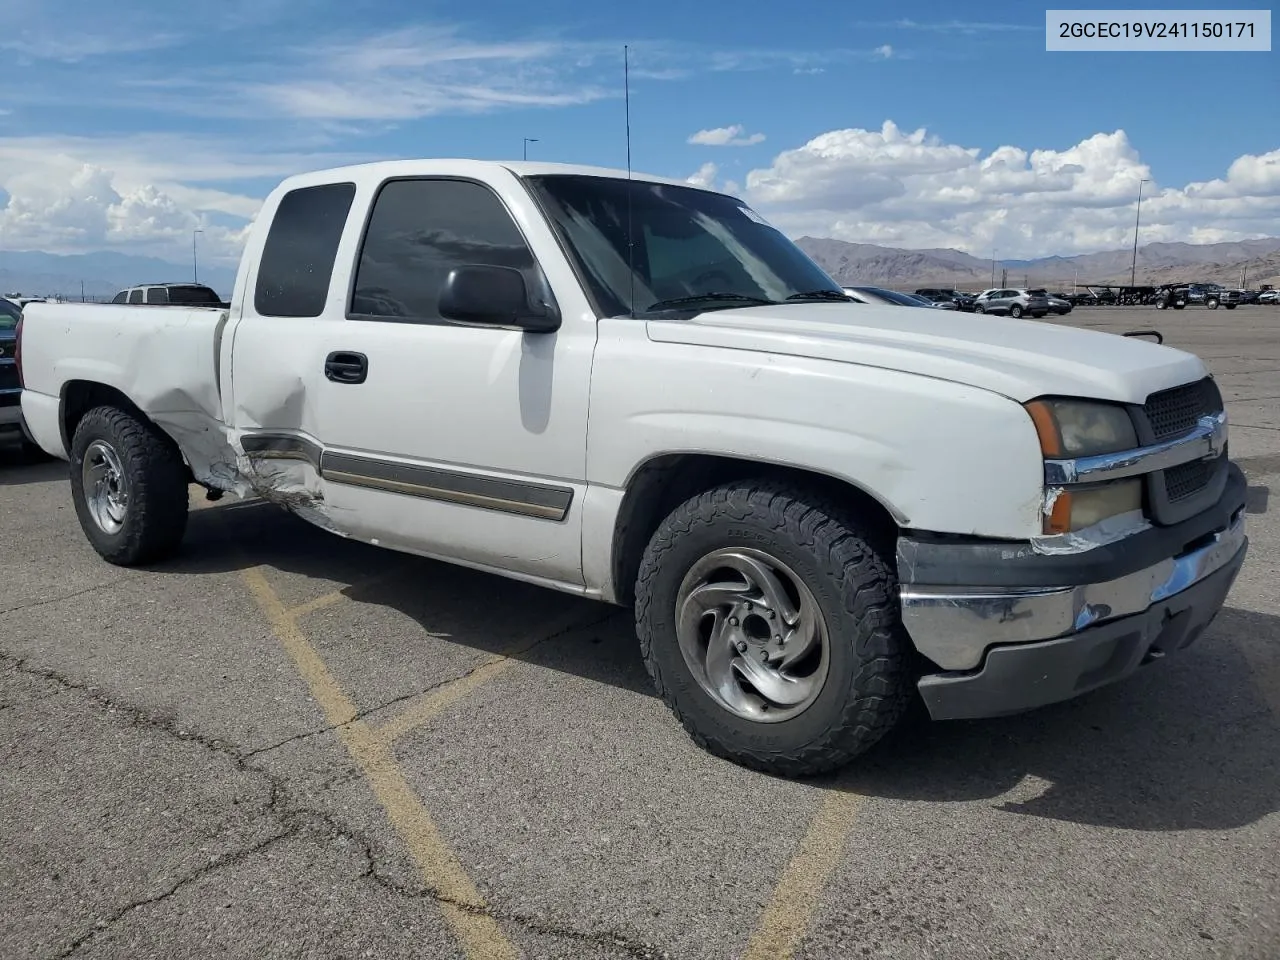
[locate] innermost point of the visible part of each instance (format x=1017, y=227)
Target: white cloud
x=705, y=176
x=144, y=193
x=883, y=52
x=912, y=190
x=732, y=136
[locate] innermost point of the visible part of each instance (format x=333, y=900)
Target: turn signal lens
x=1082, y=507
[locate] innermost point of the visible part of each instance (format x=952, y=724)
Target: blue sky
x=126, y=124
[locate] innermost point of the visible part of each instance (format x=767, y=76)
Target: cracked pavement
x=172, y=787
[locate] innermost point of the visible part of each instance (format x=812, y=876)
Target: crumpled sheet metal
x=1100, y=534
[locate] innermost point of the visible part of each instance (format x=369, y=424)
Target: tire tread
x=844, y=548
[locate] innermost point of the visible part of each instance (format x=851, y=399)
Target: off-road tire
x=848, y=570
x=156, y=518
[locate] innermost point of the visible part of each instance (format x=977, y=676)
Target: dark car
x=1179, y=295
x=10, y=389
x=963, y=301
x=881, y=295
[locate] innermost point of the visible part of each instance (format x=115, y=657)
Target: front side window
x=10, y=314
x=302, y=244
x=685, y=242
x=419, y=231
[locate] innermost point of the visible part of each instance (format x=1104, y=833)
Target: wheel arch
x=662, y=482
x=78, y=397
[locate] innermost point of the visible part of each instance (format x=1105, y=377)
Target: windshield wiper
x=822, y=295
x=711, y=298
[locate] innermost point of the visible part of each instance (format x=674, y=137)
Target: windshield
x=10, y=313
x=686, y=242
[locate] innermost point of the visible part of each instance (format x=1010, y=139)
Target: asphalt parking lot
x=285, y=744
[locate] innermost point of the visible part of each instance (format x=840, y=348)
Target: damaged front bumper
x=1013, y=629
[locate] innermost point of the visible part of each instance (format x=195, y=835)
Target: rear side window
x=135, y=296
x=194, y=296
x=419, y=231
x=297, y=259
x=157, y=295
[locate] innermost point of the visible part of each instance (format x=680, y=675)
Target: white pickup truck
x=635, y=390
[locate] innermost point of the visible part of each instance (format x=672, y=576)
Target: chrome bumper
x=955, y=626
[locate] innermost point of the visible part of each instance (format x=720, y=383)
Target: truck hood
x=1020, y=359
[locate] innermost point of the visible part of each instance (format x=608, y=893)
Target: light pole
x=527, y=141
x=195, y=264
x=993, y=266
x=1133, y=270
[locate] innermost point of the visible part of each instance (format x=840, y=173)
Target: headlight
x=1081, y=428
x=1076, y=508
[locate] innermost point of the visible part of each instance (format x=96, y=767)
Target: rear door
x=283, y=319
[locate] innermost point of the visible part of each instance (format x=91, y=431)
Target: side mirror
x=495, y=296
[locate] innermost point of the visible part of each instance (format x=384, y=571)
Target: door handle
x=343, y=366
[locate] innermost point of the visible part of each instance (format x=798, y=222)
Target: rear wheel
x=768, y=621
x=1211, y=304
x=1230, y=306
x=129, y=486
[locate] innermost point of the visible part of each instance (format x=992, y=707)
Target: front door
x=467, y=442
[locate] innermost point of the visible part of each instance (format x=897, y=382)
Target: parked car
x=825, y=509
x=881, y=295
x=1178, y=295
x=12, y=427
x=1269, y=296
x=963, y=301
x=939, y=304
x=170, y=294
x=1014, y=301
x=1057, y=303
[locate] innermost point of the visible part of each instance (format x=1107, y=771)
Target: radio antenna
x=626, y=94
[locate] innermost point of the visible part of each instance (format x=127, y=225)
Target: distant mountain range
x=36, y=274
x=32, y=273
x=865, y=263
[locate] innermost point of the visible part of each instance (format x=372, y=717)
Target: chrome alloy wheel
x=752, y=634
x=106, y=492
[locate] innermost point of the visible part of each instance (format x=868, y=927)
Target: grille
x=1188, y=479
x=1172, y=413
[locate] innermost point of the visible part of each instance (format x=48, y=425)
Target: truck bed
x=164, y=359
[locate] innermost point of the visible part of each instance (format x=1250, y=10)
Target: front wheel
x=129, y=486
x=1230, y=306
x=1016, y=312
x=1211, y=304
x=978, y=308
x=768, y=621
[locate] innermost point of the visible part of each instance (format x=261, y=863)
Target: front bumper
x=1004, y=647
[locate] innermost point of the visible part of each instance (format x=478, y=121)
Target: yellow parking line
x=461, y=903
x=337, y=596
x=787, y=916
x=430, y=705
